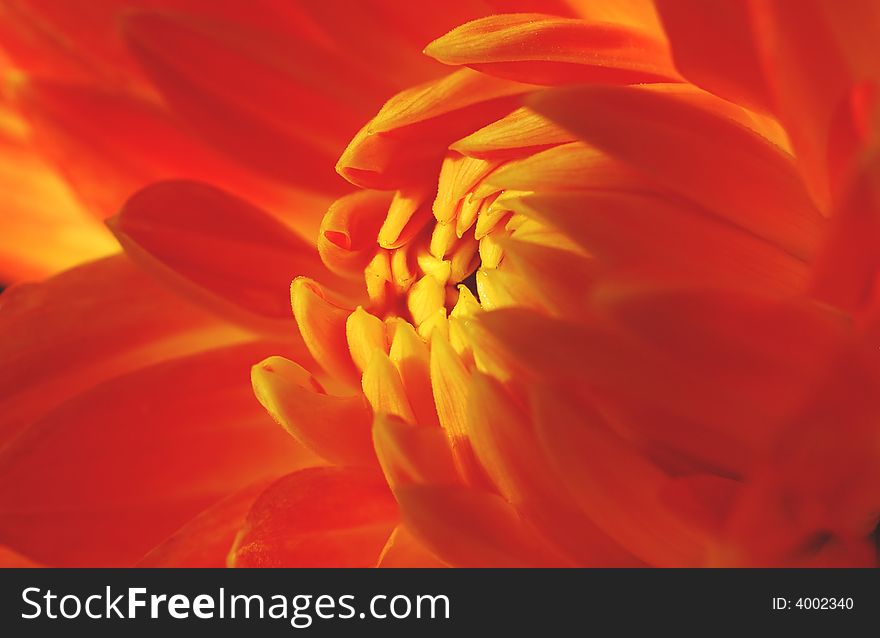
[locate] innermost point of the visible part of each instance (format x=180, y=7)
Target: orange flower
x=629, y=319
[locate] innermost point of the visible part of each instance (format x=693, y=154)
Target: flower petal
x=413, y=454
x=45, y=229
x=713, y=47
x=12, y=559
x=365, y=334
x=322, y=325
x=120, y=467
x=383, y=388
x=318, y=517
x=349, y=231
x=615, y=485
x=506, y=443
x=813, y=54
x=218, y=248
x=543, y=49
x=407, y=139
x=571, y=166
x=816, y=496
x=108, y=143
x=205, y=541
x=657, y=239
x=676, y=141
x=87, y=325
x=655, y=359
x=286, y=121
x=520, y=130
x=411, y=358
x=404, y=550
x=336, y=428
x=846, y=269
x=466, y=527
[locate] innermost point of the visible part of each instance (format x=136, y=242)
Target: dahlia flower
x=592, y=284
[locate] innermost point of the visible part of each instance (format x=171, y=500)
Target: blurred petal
x=413, y=454
x=404, y=550
x=318, y=517
x=505, y=441
x=654, y=359
x=658, y=239
x=45, y=229
x=676, y=142
x=119, y=473
x=813, y=52
x=217, y=249
x=466, y=527
x=846, y=269
x=206, y=540
x=286, y=121
x=712, y=45
x=108, y=143
x=10, y=558
x=88, y=325
x=613, y=484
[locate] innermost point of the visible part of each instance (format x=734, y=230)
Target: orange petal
x=10, y=558
x=466, y=527
x=122, y=466
x=407, y=139
x=404, y=550
x=657, y=239
x=90, y=324
x=322, y=326
x=450, y=381
x=847, y=266
x=205, y=541
x=640, y=14
x=677, y=142
x=349, y=231
x=109, y=143
x=657, y=357
x=538, y=267
x=318, y=517
x=713, y=47
x=522, y=129
x=505, y=441
x=813, y=53
x=814, y=499
x=572, y=166
x=45, y=229
x=458, y=175
x=409, y=353
x=615, y=485
x=365, y=333
x=413, y=454
x=406, y=216
x=287, y=121
x=336, y=428
x=383, y=388
x=503, y=288
x=543, y=49
x=216, y=247
x=381, y=39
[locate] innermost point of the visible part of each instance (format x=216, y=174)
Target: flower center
x=437, y=247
